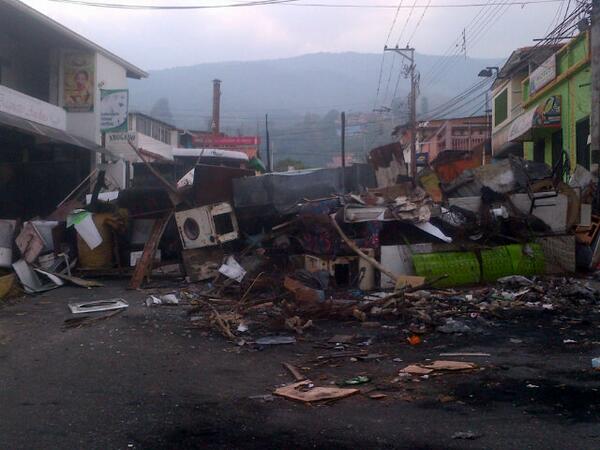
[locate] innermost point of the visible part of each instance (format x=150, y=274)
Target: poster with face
x=78, y=81
x=114, y=105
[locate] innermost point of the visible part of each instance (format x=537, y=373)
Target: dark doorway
x=582, y=131
x=557, y=147
x=539, y=150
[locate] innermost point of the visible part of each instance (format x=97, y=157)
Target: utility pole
x=488, y=130
x=595, y=50
x=343, y=152
x=268, y=143
x=409, y=54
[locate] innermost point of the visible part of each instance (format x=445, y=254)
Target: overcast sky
x=162, y=39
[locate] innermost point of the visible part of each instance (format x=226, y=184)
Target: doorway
x=557, y=147
x=539, y=150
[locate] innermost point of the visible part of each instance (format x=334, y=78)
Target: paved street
x=149, y=379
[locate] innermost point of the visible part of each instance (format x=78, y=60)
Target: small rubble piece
x=454, y=326
x=168, y=299
x=414, y=369
x=276, y=340
x=98, y=306
x=355, y=381
x=515, y=280
x=297, y=324
x=307, y=392
x=596, y=363
x=466, y=435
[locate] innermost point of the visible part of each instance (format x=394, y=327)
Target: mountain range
x=289, y=88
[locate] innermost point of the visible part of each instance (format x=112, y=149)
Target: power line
x=419, y=22
x=290, y=3
x=176, y=7
x=387, y=40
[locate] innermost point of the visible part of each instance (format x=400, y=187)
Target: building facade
x=545, y=107
x=50, y=86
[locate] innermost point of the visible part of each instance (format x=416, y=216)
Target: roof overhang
x=51, y=134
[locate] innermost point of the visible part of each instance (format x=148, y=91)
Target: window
x=501, y=107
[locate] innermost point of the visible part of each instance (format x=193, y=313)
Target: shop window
x=582, y=132
x=501, y=107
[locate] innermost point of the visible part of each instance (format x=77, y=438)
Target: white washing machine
x=207, y=225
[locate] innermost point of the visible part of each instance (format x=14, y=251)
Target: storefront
x=40, y=162
x=556, y=98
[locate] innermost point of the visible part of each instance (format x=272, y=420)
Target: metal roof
x=17, y=17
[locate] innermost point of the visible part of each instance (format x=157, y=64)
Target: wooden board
x=144, y=264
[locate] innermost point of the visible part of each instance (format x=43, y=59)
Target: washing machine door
x=196, y=228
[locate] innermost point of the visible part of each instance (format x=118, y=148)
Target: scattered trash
x=355, y=381
x=466, y=435
x=233, y=270
x=454, y=326
x=168, y=299
x=596, y=363
x=414, y=339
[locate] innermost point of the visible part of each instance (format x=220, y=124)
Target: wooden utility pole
x=268, y=143
x=409, y=54
x=343, y=152
x=595, y=50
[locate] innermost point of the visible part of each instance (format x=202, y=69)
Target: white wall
x=108, y=75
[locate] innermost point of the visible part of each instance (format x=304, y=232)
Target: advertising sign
x=114, y=108
x=216, y=141
x=544, y=74
x=78, y=82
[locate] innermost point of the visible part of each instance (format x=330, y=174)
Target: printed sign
x=544, y=74
x=212, y=141
x=114, y=108
x=547, y=114
x=78, y=86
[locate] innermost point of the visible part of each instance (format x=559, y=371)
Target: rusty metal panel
x=213, y=184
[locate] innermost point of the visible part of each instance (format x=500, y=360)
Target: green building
x=542, y=103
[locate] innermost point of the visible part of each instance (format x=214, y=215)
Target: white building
x=50, y=86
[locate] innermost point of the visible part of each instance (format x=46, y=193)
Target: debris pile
x=276, y=251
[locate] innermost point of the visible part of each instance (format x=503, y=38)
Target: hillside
x=287, y=89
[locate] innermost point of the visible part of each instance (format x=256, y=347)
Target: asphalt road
x=148, y=379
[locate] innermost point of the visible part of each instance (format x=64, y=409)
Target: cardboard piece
x=303, y=391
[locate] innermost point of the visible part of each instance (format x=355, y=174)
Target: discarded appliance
x=207, y=225
x=30, y=279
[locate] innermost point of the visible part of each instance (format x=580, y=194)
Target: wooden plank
x=144, y=264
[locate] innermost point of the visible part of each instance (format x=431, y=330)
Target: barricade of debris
x=283, y=249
